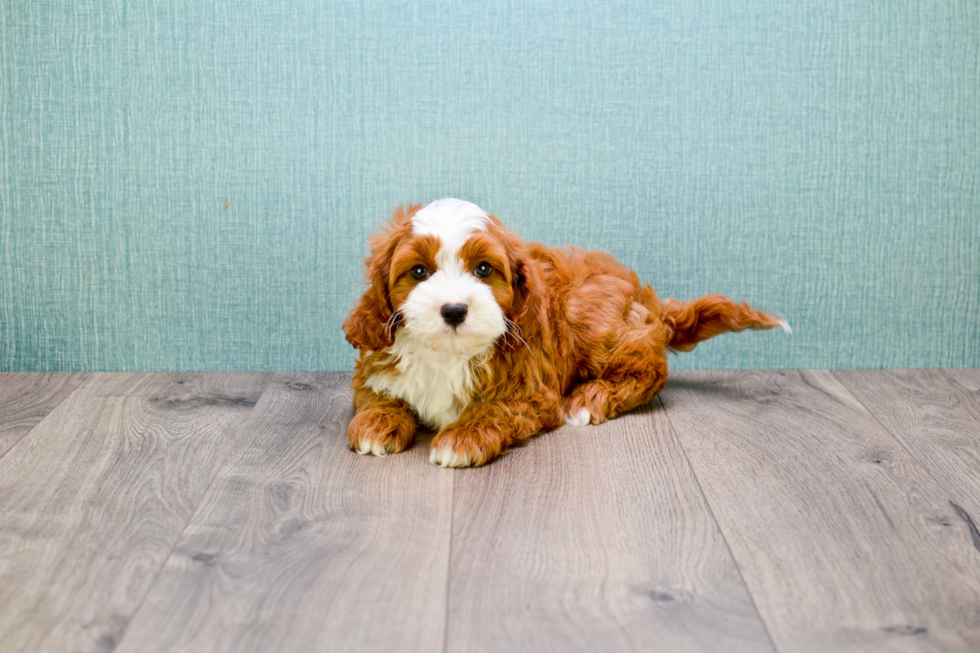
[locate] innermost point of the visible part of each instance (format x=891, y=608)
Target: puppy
x=488, y=340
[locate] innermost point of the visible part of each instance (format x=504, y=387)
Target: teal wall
x=188, y=185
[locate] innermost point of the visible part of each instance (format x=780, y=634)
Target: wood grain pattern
x=933, y=417
x=26, y=397
x=844, y=541
x=966, y=378
x=302, y=545
x=594, y=539
x=93, y=499
x=848, y=518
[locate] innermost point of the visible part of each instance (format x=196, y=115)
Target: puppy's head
x=449, y=274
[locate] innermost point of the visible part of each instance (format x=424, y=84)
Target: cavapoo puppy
x=488, y=340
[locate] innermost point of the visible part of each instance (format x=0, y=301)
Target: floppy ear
x=367, y=326
x=526, y=305
x=371, y=325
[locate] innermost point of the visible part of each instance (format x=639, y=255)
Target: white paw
x=449, y=458
x=368, y=446
x=581, y=418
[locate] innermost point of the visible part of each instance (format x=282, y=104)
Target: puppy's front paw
x=380, y=431
x=582, y=417
x=462, y=447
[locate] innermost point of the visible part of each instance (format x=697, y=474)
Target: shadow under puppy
x=488, y=340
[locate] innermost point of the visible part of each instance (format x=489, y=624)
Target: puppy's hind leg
x=634, y=375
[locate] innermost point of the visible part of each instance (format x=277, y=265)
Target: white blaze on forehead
x=453, y=222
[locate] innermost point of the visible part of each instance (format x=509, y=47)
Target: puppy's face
x=448, y=273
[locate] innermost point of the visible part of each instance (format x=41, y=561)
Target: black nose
x=453, y=314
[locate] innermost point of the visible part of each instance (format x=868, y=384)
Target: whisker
x=390, y=324
x=511, y=323
x=523, y=341
x=507, y=330
x=514, y=324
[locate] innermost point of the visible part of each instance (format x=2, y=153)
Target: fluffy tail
x=710, y=316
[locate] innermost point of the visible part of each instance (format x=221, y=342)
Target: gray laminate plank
x=936, y=419
x=967, y=378
x=26, y=397
x=841, y=536
x=95, y=496
x=302, y=545
x=594, y=539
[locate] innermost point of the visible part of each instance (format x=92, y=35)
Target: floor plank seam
x=449, y=564
x=81, y=385
x=721, y=531
x=952, y=380
x=163, y=564
x=915, y=459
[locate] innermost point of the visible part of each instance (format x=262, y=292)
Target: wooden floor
x=740, y=511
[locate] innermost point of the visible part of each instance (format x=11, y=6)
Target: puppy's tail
x=710, y=316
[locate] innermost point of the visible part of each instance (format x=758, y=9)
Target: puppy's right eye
x=419, y=272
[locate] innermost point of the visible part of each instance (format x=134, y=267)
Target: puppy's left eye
x=483, y=270
x=419, y=272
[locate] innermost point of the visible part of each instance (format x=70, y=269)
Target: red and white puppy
x=488, y=340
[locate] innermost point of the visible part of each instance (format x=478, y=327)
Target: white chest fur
x=438, y=385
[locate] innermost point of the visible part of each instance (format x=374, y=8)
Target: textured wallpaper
x=188, y=185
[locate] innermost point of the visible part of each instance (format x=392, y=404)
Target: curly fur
x=584, y=340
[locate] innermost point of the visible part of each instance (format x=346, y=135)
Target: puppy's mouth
x=455, y=339
x=464, y=331
x=457, y=332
